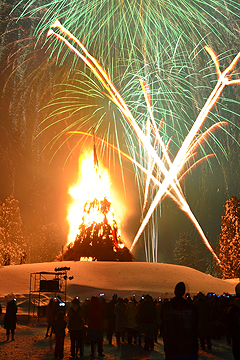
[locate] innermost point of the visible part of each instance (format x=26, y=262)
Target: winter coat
x=147, y=311
x=121, y=316
x=148, y=317
x=110, y=316
x=50, y=312
x=233, y=321
x=131, y=313
x=180, y=323
x=75, y=318
x=59, y=325
x=10, y=317
x=95, y=314
x=204, y=316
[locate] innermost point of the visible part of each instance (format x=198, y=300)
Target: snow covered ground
x=30, y=343
x=125, y=279
x=93, y=278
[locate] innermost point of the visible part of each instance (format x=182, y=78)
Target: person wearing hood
x=10, y=318
x=75, y=320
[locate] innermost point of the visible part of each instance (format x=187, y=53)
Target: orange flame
x=91, y=186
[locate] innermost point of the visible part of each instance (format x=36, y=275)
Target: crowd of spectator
x=185, y=323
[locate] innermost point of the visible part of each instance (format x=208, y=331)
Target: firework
x=169, y=169
x=134, y=31
x=151, y=40
x=158, y=41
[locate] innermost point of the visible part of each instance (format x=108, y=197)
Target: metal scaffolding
x=52, y=284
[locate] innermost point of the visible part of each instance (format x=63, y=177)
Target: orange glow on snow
x=93, y=183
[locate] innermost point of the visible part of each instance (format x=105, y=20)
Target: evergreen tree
x=12, y=242
x=45, y=242
x=184, y=251
x=229, y=242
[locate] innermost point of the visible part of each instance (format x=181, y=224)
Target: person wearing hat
x=75, y=320
x=10, y=318
x=180, y=324
x=233, y=323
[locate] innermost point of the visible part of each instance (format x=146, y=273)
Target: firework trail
x=114, y=29
x=152, y=39
x=172, y=169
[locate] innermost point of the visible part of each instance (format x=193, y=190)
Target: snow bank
x=125, y=279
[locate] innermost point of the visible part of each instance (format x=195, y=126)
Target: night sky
x=38, y=170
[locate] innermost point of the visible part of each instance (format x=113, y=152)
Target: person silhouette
x=10, y=318
x=179, y=324
x=233, y=323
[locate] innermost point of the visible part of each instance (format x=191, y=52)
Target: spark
x=170, y=170
x=184, y=149
x=153, y=39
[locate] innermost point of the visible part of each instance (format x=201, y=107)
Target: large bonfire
x=97, y=236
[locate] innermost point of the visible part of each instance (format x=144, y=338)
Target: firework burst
x=170, y=169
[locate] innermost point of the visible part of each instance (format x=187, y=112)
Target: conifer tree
x=44, y=242
x=12, y=242
x=229, y=242
x=184, y=251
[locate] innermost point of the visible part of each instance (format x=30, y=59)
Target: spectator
x=10, y=318
x=50, y=316
x=111, y=318
x=86, y=306
x=120, y=326
x=131, y=313
x=180, y=321
x=159, y=304
x=204, y=320
x=95, y=318
x=75, y=320
x=233, y=323
x=148, y=320
x=59, y=325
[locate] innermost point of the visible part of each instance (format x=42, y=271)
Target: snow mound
x=122, y=278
